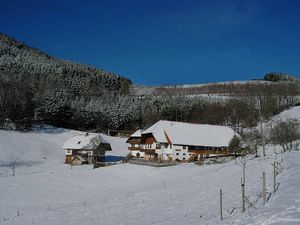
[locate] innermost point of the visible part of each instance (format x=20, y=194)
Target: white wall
x=142, y=154
x=174, y=151
x=180, y=153
x=164, y=152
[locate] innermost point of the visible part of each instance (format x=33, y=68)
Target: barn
x=184, y=142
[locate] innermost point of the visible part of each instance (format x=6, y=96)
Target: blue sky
x=163, y=42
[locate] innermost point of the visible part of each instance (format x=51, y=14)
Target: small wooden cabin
x=86, y=148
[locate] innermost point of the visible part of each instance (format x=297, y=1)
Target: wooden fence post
x=274, y=177
x=221, y=205
x=243, y=195
x=14, y=169
x=264, y=188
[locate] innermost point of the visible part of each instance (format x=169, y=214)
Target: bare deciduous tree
x=286, y=133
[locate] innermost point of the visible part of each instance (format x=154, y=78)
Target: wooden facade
x=69, y=159
x=148, y=139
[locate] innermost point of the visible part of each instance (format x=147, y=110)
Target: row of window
x=183, y=154
x=149, y=146
x=158, y=146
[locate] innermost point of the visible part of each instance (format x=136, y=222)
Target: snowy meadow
x=46, y=191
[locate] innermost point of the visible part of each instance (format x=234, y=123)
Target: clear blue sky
x=166, y=41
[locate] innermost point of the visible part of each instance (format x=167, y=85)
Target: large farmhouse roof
x=137, y=134
x=88, y=141
x=190, y=134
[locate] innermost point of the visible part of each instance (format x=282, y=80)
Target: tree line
x=38, y=88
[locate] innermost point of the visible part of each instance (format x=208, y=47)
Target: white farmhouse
x=86, y=148
x=169, y=140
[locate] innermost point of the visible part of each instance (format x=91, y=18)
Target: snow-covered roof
x=138, y=133
x=88, y=141
x=190, y=134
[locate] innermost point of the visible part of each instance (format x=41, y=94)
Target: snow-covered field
x=47, y=191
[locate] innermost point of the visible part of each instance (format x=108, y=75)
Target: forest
x=38, y=88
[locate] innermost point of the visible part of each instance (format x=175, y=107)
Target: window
x=183, y=158
x=177, y=153
x=183, y=154
x=184, y=147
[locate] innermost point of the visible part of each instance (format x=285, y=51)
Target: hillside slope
x=132, y=194
x=23, y=62
x=283, y=208
x=43, y=147
x=37, y=87
x=54, y=193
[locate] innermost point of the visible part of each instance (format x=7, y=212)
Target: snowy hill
x=132, y=194
x=38, y=146
x=43, y=145
x=293, y=112
x=284, y=206
x=50, y=192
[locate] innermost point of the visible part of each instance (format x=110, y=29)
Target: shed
x=90, y=146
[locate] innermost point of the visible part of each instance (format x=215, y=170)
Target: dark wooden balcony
x=134, y=148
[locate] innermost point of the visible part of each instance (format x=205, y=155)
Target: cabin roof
x=88, y=141
x=191, y=134
x=80, y=158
